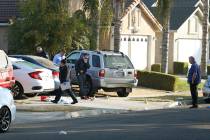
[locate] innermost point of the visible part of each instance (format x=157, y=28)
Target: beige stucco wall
x=146, y=29
x=181, y=33
x=3, y=38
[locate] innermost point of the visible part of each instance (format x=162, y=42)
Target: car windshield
x=117, y=61
x=45, y=62
x=27, y=64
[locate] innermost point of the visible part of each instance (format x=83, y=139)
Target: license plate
x=119, y=74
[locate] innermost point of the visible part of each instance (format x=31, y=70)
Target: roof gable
x=181, y=10
x=131, y=4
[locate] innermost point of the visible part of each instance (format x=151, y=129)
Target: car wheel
x=31, y=94
x=122, y=93
x=5, y=119
x=17, y=90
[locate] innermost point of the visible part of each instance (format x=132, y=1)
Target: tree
x=106, y=17
x=205, y=43
x=43, y=23
x=117, y=23
x=91, y=7
x=80, y=37
x=164, y=7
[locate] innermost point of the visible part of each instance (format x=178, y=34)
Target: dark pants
x=194, y=94
x=82, y=87
x=59, y=93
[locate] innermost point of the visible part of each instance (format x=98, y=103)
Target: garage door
x=186, y=48
x=136, y=48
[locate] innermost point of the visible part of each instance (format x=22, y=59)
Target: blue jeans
x=82, y=88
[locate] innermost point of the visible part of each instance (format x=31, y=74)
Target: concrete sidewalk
x=104, y=102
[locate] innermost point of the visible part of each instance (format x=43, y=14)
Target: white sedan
x=31, y=79
x=7, y=109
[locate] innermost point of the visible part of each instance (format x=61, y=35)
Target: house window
x=134, y=18
x=193, y=25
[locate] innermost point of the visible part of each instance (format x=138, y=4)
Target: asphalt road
x=174, y=124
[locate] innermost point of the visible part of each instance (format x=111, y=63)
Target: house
x=8, y=10
x=138, y=34
x=185, y=34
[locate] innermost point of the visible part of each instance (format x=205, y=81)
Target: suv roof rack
x=114, y=52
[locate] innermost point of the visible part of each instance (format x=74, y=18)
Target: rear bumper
x=102, y=83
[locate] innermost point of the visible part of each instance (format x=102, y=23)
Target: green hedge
x=208, y=70
x=156, y=67
x=157, y=80
x=180, y=67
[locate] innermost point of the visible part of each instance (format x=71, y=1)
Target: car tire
x=31, y=94
x=5, y=119
x=17, y=90
x=122, y=93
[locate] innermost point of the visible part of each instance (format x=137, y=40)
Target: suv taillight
x=35, y=75
x=101, y=73
x=135, y=74
x=55, y=74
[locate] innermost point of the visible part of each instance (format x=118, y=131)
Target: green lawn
x=182, y=85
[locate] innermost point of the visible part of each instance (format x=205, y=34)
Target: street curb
x=49, y=108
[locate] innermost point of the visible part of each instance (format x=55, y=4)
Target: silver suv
x=110, y=71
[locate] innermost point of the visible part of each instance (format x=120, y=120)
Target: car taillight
x=101, y=73
x=135, y=73
x=35, y=75
x=55, y=74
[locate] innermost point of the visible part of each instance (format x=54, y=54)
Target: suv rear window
x=117, y=61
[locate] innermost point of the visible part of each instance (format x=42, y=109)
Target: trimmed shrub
x=208, y=70
x=156, y=67
x=157, y=80
x=180, y=68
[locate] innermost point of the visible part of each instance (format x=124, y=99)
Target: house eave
x=4, y=24
x=195, y=11
x=146, y=10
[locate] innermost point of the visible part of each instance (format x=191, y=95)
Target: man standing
x=81, y=68
x=40, y=52
x=194, y=78
x=58, y=57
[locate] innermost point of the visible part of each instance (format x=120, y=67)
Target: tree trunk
x=117, y=35
x=165, y=44
x=117, y=26
x=205, y=43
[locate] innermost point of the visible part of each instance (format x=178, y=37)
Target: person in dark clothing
x=64, y=77
x=40, y=52
x=194, y=78
x=81, y=68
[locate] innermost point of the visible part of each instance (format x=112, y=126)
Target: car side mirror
x=68, y=61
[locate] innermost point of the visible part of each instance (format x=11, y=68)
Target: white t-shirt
x=57, y=58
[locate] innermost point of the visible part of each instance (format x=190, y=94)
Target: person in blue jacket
x=194, y=78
